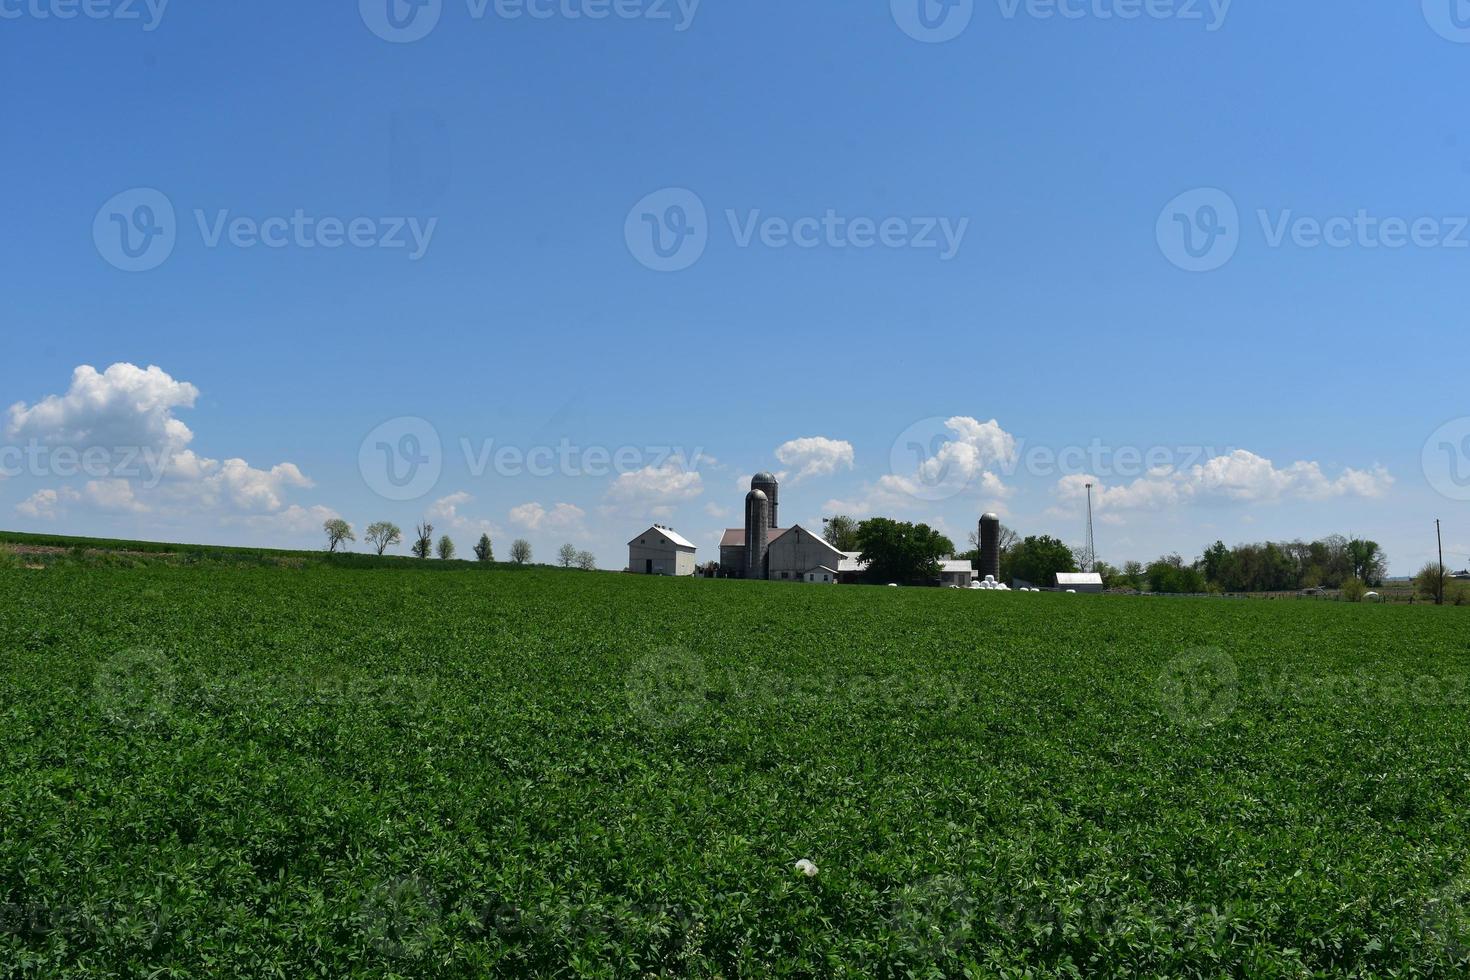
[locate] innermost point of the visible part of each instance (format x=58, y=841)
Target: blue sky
x=1292, y=386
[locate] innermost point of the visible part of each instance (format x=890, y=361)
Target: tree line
x=382, y=535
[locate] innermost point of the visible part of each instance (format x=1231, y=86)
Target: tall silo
x=989, y=546
x=766, y=484
x=757, y=533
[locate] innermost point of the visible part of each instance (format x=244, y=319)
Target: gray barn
x=661, y=551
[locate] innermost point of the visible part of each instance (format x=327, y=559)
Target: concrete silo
x=757, y=533
x=989, y=546
x=766, y=484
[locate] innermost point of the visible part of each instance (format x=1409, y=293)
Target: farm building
x=1080, y=581
x=957, y=572
x=760, y=549
x=790, y=554
x=661, y=551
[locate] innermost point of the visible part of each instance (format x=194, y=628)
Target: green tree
x=841, y=532
x=484, y=551
x=338, y=532
x=383, y=535
x=1430, y=582
x=446, y=548
x=900, y=552
x=1215, y=562
x=423, y=540
x=1369, y=561
x=1170, y=575
x=1039, y=558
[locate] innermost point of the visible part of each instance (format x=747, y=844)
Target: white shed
x=661, y=551
x=1080, y=581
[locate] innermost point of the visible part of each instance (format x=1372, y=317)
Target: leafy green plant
x=375, y=766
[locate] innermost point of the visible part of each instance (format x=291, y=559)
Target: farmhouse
x=661, y=551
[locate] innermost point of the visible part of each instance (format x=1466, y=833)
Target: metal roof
x=1079, y=578
x=675, y=538
x=735, y=536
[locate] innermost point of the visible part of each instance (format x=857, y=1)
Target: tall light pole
x=1091, y=547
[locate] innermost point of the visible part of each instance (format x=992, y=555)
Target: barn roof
x=675, y=538
x=735, y=536
x=1078, y=578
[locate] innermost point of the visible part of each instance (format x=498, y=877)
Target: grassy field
x=319, y=770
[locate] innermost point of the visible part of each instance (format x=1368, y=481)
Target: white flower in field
x=806, y=868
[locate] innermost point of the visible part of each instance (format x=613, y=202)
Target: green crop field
x=217, y=770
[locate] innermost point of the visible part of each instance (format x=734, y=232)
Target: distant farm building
x=1080, y=581
x=762, y=550
x=791, y=554
x=661, y=551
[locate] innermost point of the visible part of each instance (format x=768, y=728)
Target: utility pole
x=1439, y=592
x=1091, y=540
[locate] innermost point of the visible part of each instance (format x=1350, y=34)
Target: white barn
x=1080, y=581
x=661, y=551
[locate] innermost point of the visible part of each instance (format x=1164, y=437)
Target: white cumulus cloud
x=814, y=456
x=656, y=486
x=561, y=517
x=1240, y=476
